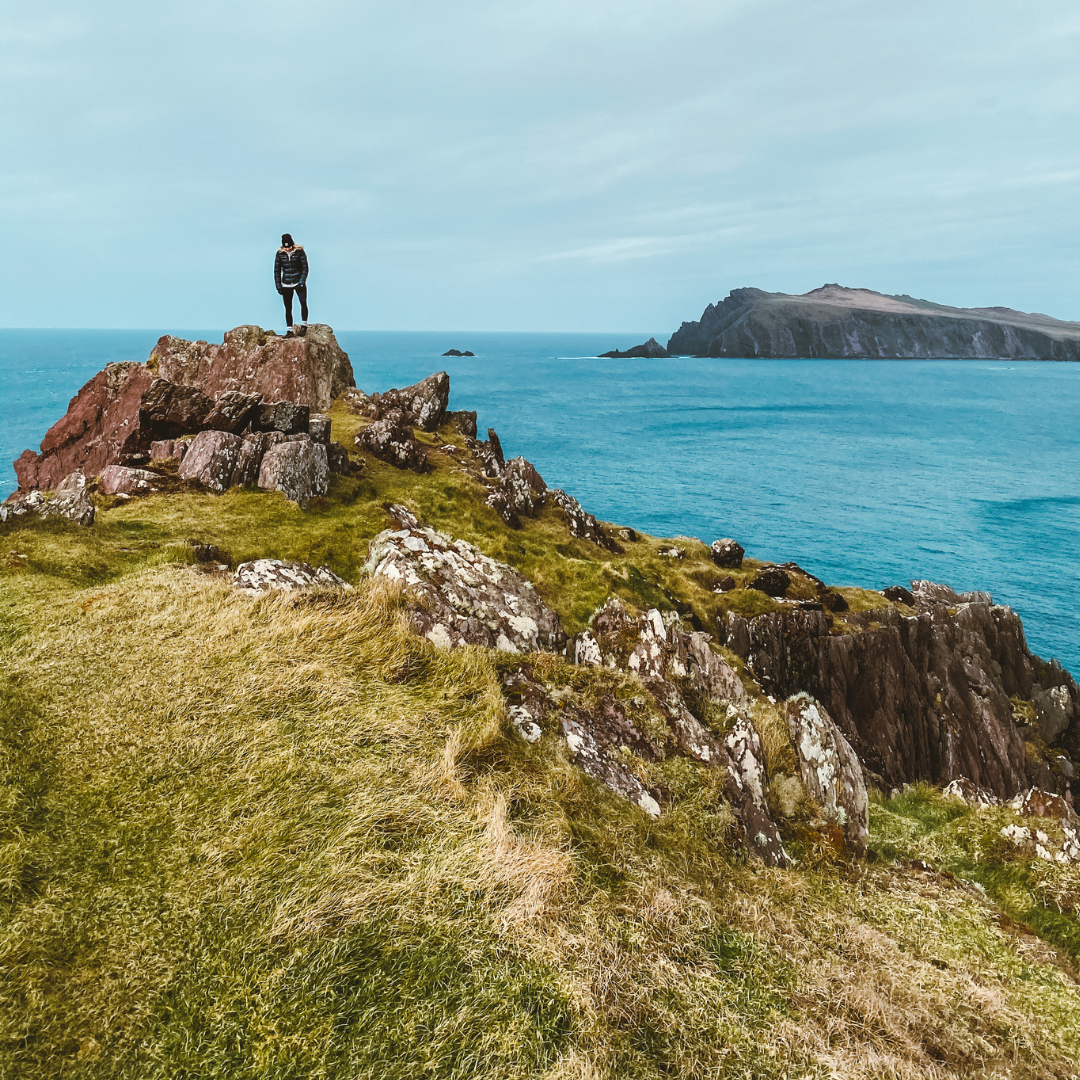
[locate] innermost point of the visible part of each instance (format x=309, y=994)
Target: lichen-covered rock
x=772, y=581
x=285, y=416
x=520, y=492
x=727, y=553
x=274, y=575
x=581, y=523
x=169, y=409
x=70, y=500
x=211, y=460
x=311, y=370
x=962, y=788
x=591, y=757
x=122, y=480
x=391, y=441
x=830, y=769
x=296, y=467
x=464, y=597
x=928, y=594
x=422, y=405
x=252, y=451
x=319, y=428
x=746, y=789
x=232, y=411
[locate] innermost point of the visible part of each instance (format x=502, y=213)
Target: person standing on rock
x=290, y=276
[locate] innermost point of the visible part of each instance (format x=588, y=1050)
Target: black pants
x=286, y=295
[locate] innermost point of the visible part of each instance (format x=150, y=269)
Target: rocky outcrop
x=830, y=769
x=286, y=417
x=677, y=668
x=836, y=322
x=233, y=412
x=391, y=440
x=461, y=596
x=311, y=370
x=102, y=425
x=253, y=448
x=581, y=523
x=297, y=467
x=169, y=450
x=918, y=697
x=274, y=575
x=457, y=352
x=70, y=500
x=422, y=405
x=651, y=350
x=520, y=492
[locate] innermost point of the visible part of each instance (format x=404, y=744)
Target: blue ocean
x=863, y=472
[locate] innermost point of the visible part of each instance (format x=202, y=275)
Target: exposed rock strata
x=311, y=370
x=836, y=322
x=919, y=697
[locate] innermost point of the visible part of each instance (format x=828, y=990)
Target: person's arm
x=277, y=271
x=303, y=267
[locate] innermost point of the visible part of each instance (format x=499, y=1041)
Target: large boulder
x=311, y=370
x=297, y=467
x=830, y=769
x=462, y=596
x=168, y=409
x=232, y=411
x=422, y=405
x=284, y=416
x=211, y=460
x=101, y=425
x=727, y=553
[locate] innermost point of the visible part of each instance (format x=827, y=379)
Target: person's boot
x=289, y=332
x=302, y=331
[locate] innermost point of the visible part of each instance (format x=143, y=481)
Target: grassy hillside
x=284, y=837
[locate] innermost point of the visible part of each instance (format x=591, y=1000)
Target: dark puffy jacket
x=290, y=268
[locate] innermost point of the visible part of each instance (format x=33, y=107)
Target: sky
x=549, y=165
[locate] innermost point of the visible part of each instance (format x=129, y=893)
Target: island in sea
x=839, y=323
x=336, y=742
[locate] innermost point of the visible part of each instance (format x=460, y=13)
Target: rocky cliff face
x=311, y=370
x=857, y=323
x=928, y=695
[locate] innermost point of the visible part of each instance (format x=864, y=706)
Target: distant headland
x=840, y=323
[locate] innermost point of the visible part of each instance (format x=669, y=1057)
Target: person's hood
x=296, y=247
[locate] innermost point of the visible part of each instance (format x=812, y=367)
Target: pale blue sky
x=586, y=165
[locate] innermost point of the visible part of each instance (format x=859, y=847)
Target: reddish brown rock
x=232, y=412
x=311, y=370
x=252, y=451
x=169, y=449
x=101, y=426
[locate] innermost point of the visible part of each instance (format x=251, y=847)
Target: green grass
x=283, y=837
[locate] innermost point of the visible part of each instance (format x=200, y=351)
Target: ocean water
x=863, y=472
